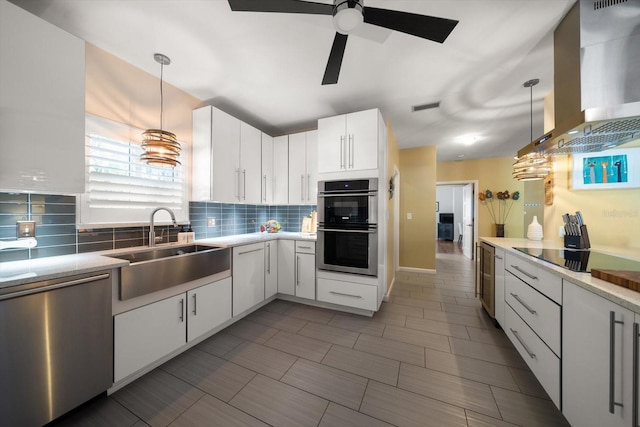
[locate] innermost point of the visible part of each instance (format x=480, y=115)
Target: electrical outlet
x=25, y=229
x=211, y=221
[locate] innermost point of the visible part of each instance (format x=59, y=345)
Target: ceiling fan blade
x=427, y=27
x=284, y=6
x=335, y=60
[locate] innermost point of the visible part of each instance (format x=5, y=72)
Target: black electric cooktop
x=582, y=260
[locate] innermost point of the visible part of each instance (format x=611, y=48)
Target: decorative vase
x=499, y=230
x=534, y=232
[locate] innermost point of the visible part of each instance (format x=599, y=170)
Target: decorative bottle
x=534, y=232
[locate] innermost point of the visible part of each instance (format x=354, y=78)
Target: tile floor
x=429, y=357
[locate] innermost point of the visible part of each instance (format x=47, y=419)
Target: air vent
x=601, y=4
x=425, y=106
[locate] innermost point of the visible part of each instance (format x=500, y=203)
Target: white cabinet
x=286, y=267
x=148, y=333
x=303, y=168
x=499, y=284
x=226, y=158
x=305, y=275
x=281, y=170
x=248, y=276
x=349, y=142
x=267, y=169
x=41, y=105
x=593, y=383
x=271, y=269
x=208, y=307
x=348, y=290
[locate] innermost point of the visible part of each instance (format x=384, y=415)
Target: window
x=119, y=187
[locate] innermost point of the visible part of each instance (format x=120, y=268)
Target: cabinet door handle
x=342, y=153
x=345, y=295
x=268, y=258
x=498, y=257
x=526, y=347
x=248, y=252
x=181, y=309
x=264, y=194
x=302, y=187
x=244, y=184
x=194, y=304
x=308, y=187
x=297, y=271
x=238, y=184
x=634, y=415
x=351, y=151
x=612, y=363
x=524, y=304
x=529, y=275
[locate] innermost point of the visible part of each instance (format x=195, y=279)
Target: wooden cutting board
x=627, y=279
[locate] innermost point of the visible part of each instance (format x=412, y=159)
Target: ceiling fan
x=347, y=15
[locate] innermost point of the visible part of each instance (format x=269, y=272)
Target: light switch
x=409, y=216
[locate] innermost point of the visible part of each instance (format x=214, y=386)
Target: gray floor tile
x=489, y=336
x=478, y=420
x=278, y=321
x=251, y=331
x=364, y=364
x=418, y=303
x=460, y=309
x=448, y=388
x=220, y=344
x=404, y=408
x=331, y=334
x=279, y=404
x=362, y=324
x=455, y=318
x=437, y=327
x=278, y=306
x=528, y=383
x=527, y=410
x=339, y=416
x=158, y=398
x=399, y=308
x=309, y=348
x=333, y=384
x=417, y=337
x=487, y=352
x=400, y=292
x=385, y=316
x=209, y=411
x=391, y=349
x=473, y=369
x=141, y=424
x=103, y=412
x=312, y=314
x=258, y=358
x=218, y=377
x=470, y=301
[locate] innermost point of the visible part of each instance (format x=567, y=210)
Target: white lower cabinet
x=597, y=368
x=271, y=269
x=148, y=333
x=248, y=276
x=341, y=289
x=499, y=259
x=305, y=270
x=208, y=307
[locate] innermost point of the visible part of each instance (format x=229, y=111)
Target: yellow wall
x=418, y=197
x=612, y=216
x=393, y=162
x=119, y=91
x=493, y=174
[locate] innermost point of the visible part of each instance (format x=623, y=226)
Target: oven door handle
x=342, y=230
x=343, y=194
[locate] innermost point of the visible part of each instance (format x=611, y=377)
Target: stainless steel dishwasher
x=56, y=347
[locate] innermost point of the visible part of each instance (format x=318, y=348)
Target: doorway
x=456, y=211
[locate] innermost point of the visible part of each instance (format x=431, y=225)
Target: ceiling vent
x=425, y=106
x=601, y=4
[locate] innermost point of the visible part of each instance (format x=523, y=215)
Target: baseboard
x=385, y=298
x=417, y=270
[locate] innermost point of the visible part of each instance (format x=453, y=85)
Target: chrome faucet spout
x=152, y=233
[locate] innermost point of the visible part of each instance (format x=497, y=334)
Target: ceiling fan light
x=347, y=16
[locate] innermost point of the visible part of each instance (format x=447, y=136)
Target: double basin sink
x=161, y=268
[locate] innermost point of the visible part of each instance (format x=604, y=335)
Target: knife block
x=578, y=242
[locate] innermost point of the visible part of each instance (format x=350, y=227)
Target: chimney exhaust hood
x=596, y=79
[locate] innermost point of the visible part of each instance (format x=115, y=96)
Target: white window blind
x=119, y=187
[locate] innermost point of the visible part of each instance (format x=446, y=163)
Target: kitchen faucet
x=152, y=233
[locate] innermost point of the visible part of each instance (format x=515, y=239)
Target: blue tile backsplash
x=55, y=218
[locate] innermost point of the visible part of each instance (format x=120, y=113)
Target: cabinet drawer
x=540, y=313
x=305, y=247
x=543, y=363
x=540, y=279
x=348, y=294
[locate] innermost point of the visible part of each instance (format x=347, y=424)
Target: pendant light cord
x=161, y=94
x=530, y=110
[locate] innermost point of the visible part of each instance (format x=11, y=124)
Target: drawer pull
x=248, y=252
x=345, y=295
x=524, y=304
x=497, y=257
x=304, y=247
x=530, y=276
x=526, y=347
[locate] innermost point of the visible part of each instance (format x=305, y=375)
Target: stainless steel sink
x=161, y=268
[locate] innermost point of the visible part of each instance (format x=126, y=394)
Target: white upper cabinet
x=281, y=170
x=267, y=169
x=226, y=158
x=41, y=105
x=349, y=142
x=303, y=168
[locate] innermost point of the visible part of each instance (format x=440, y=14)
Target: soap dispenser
x=191, y=235
x=183, y=236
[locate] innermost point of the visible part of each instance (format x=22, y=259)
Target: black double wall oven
x=348, y=226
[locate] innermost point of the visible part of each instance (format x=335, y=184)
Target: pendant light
x=532, y=166
x=161, y=148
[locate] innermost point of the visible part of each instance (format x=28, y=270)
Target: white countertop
x=618, y=294
x=15, y=273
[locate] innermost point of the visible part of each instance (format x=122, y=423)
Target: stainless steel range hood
x=596, y=80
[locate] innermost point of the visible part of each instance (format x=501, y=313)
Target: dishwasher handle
x=55, y=286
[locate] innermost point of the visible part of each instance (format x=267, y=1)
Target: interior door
x=467, y=221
